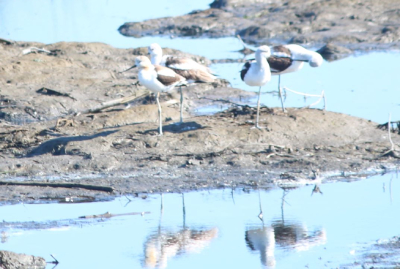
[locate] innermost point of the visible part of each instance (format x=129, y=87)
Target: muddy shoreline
x=55, y=127
x=52, y=132
x=361, y=26
x=57, y=134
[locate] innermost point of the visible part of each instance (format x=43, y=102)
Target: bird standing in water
x=257, y=73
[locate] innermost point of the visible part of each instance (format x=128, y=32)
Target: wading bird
x=257, y=73
x=157, y=79
x=192, y=71
x=290, y=58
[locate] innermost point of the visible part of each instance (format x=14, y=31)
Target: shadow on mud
x=58, y=146
x=177, y=128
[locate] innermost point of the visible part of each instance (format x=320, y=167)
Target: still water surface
x=221, y=228
x=364, y=86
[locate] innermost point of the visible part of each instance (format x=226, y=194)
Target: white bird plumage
x=186, y=67
x=297, y=54
x=157, y=79
x=164, y=72
x=257, y=73
x=290, y=58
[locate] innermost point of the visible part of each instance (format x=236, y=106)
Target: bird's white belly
x=257, y=78
x=296, y=65
x=149, y=80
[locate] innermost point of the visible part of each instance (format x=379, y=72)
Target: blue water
x=50, y=21
x=299, y=228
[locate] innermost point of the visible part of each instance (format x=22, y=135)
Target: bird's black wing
x=245, y=68
x=279, y=64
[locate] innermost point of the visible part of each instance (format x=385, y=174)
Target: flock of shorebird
x=164, y=72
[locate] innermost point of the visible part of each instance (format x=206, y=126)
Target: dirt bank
x=359, y=25
x=118, y=147
x=11, y=260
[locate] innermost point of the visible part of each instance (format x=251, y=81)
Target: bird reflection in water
x=262, y=240
x=163, y=245
x=286, y=234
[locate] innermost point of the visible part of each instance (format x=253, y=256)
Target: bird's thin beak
x=295, y=60
x=129, y=68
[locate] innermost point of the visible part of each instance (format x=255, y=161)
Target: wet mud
x=57, y=127
x=366, y=25
x=384, y=253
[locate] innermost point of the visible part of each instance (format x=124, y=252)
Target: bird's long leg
x=280, y=93
x=258, y=107
x=181, y=105
x=258, y=110
x=184, y=210
x=159, y=113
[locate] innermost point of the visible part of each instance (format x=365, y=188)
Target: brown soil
x=119, y=146
x=360, y=25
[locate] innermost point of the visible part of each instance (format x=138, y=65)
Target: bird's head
x=264, y=51
x=142, y=62
x=155, y=49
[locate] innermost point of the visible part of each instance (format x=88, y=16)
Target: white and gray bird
x=257, y=73
x=290, y=58
x=157, y=79
x=186, y=67
x=192, y=71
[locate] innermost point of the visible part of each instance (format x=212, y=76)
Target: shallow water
x=221, y=228
x=50, y=21
x=364, y=86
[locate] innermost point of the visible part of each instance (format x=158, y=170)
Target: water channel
x=220, y=228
